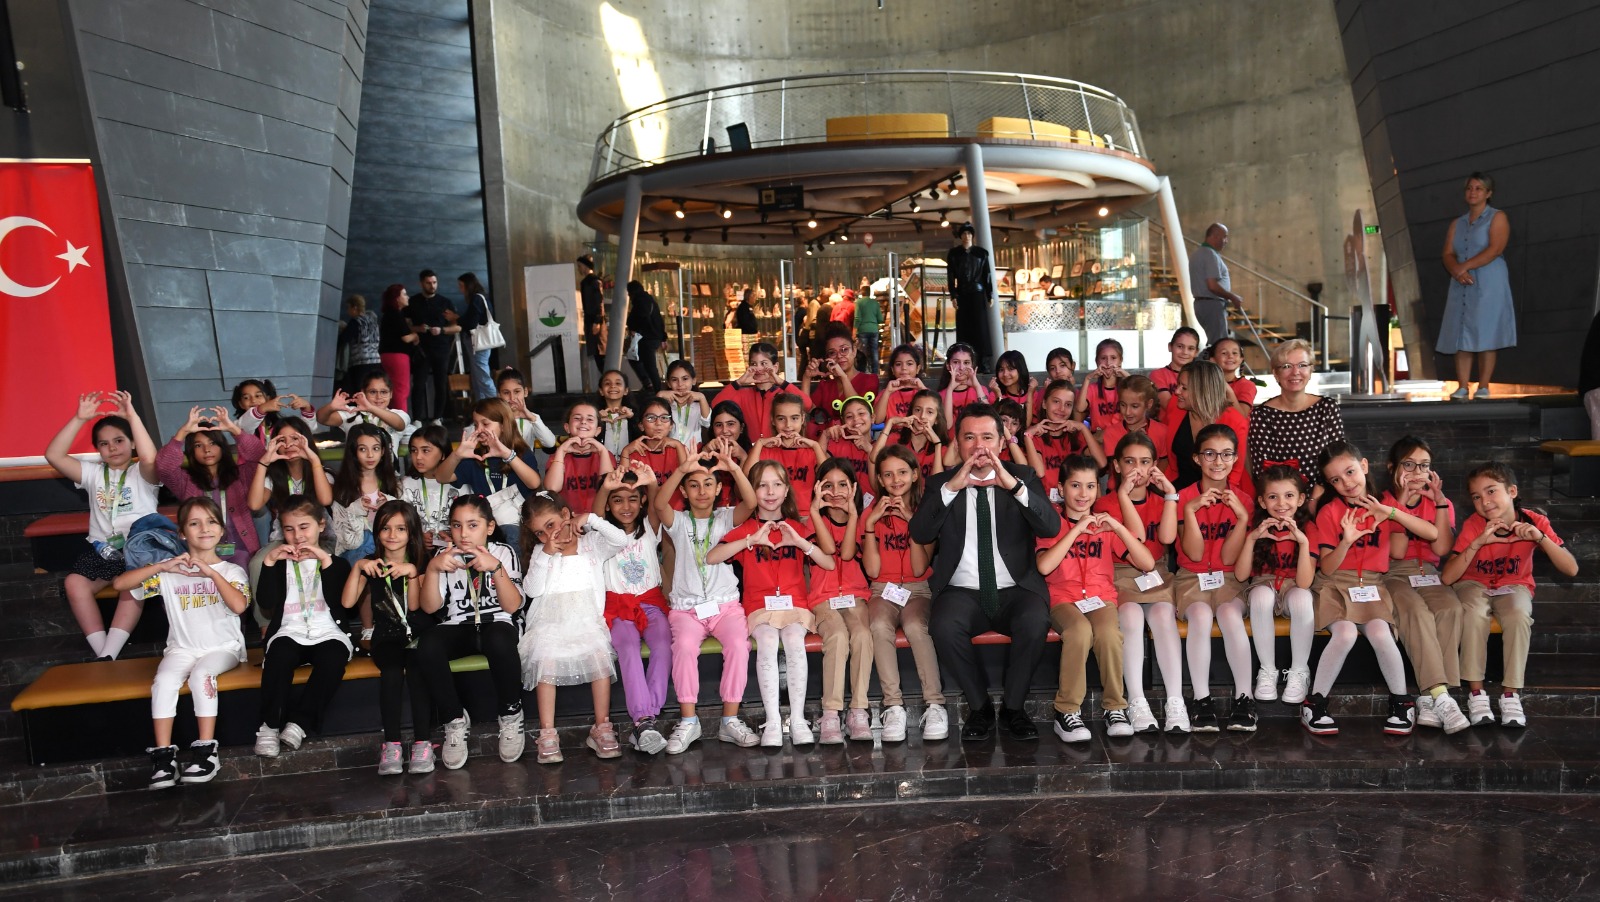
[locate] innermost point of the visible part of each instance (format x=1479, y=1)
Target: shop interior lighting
x=953, y=189
x=1104, y=211
x=811, y=220
x=679, y=212
x=726, y=213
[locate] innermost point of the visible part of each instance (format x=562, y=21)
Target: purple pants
x=645, y=687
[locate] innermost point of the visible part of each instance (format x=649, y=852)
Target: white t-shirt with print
x=198, y=620
x=459, y=589
x=116, y=503
x=432, y=500
x=636, y=569
x=719, y=584
x=307, y=618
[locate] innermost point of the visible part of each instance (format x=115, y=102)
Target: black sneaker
x=1314, y=716
x=163, y=767
x=1071, y=728
x=1402, y=717
x=1204, y=718
x=1242, y=717
x=202, y=764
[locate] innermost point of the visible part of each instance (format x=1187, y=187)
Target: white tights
x=1379, y=636
x=1263, y=600
x=794, y=654
x=1235, y=643
x=1164, y=630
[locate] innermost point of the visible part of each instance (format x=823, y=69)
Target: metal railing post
x=1027, y=106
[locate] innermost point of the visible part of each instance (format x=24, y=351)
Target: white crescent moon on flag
x=7, y=284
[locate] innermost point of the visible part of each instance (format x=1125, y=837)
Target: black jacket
x=274, y=589
x=1018, y=528
x=968, y=272
x=644, y=318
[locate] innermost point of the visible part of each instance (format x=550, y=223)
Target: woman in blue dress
x=1478, y=316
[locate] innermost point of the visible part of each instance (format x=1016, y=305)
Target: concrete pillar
x=627, y=240
x=1180, y=257
x=978, y=201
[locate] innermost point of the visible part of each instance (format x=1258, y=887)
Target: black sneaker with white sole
x=1204, y=718
x=1118, y=724
x=1314, y=716
x=1071, y=728
x=203, y=762
x=1402, y=717
x=1242, y=716
x=163, y=766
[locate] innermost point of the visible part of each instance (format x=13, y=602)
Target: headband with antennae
x=868, y=397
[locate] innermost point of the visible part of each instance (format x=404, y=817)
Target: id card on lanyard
x=402, y=604
x=114, y=538
x=306, y=603
x=220, y=497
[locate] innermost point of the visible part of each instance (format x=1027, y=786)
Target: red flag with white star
x=55, y=327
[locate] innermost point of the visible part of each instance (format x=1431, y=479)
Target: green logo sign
x=552, y=311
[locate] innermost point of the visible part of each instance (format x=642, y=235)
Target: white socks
x=97, y=641
x=115, y=639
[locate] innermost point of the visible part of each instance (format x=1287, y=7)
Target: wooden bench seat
x=888, y=126
x=1017, y=129
x=1583, y=466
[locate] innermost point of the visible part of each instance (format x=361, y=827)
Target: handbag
x=487, y=336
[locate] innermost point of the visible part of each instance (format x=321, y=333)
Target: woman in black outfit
x=397, y=344
x=644, y=320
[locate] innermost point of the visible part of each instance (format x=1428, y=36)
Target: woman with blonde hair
x=1295, y=426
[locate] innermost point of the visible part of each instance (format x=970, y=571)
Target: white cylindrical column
x=978, y=202
x=627, y=240
x=1180, y=257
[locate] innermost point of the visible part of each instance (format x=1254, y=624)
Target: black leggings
x=496, y=641
x=327, y=660
x=397, y=673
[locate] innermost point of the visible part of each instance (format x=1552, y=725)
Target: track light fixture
x=724, y=234
x=726, y=213
x=809, y=252
x=953, y=189
x=1104, y=211
x=811, y=220
x=933, y=193
x=679, y=212
x=832, y=240
x=688, y=236
x=916, y=207
x=665, y=240
x=944, y=222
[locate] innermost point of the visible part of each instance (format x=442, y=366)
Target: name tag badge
x=1148, y=581
x=1425, y=579
x=706, y=610
x=1499, y=590
x=1211, y=581
x=1056, y=497
x=896, y=594
x=839, y=602
x=226, y=549
x=1364, y=594
x=117, y=541
x=779, y=603
x=1092, y=603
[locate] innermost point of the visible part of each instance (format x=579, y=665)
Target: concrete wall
x=1244, y=104
x=417, y=201
x=225, y=135
x=1443, y=90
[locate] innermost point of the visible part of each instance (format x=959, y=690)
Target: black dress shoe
x=1017, y=724
x=979, y=725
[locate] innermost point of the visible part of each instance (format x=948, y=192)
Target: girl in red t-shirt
x=905, y=368
x=1059, y=435
x=1493, y=570
x=1183, y=348
x=921, y=431
x=1058, y=366
x=838, y=603
x=1097, y=403
x=1354, y=529
x=1278, y=564
x=1229, y=357
x=898, y=568
x=798, y=455
x=833, y=378
x=1079, y=567
x=581, y=462
x=959, y=386
x=1013, y=382
x=728, y=435
x=851, y=438
x=771, y=549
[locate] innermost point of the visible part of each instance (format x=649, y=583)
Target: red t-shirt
x=826, y=391
x=1054, y=451
x=769, y=571
x=1088, y=570
x=1282, y=559
x=1508, y=564
x=894, y=552
x=1102, y=404
x=852, y=452
x=847, y=577
x=1426, y=510
x=757, y=405
x=1370, y=553
x=1244, y=390
x=1157, y=431
x=801, y=465
x=1166, y=380
x=581, y=478
x=927, y=456
x=1149, y=511
x=663, y=463
x=959, y=400
x=900, y=401
x=1217, y=522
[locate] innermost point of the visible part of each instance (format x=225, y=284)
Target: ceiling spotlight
x=678, y=212
x=809, y=252
x=726, y=213
x=811, y=220
x=1104, y=211
x=795, y=230
x=1005, y=237
x=918, y=224
x=832, y=240
x=944, y=222
x=953, y=189
x=934, y=194
x=844, y=234
x=665, y=240
x=915, y=206
x=688, y=236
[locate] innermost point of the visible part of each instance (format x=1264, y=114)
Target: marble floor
x=1325, y=845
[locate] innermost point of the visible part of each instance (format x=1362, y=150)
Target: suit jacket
x=1017, y=527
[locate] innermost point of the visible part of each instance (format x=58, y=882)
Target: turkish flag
x=54, y=321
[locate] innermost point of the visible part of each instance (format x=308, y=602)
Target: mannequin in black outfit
x=971, y=284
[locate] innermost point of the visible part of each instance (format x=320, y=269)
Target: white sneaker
x=1266, y=685
x=894, y=724
x=935, y=723
x=1449, y=714
x=1511, y=711
x=685, y=734
x=292, y=735
x=267, y=742
x=1177, y=716
x=1296, y=686
x=800, y=730
x=772, y=734
x=1142, y=718
x=453, y=753
x=736, y=732
x=1426, y=716
x=1478, y=713
x=512, y=739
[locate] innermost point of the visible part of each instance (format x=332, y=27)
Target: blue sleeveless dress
x=1480, y=316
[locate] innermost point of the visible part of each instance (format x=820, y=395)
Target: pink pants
x=688, y=631
x=398, y=368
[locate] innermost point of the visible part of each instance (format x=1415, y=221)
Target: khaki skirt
x=1186, y=591
x=1333, y=599
x=1129, y=591
x=1280, y=587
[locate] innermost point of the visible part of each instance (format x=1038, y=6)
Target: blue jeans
x=869, y=346
x=482, y=382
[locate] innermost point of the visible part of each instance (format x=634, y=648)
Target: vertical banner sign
x=54, y=323
x=551, y=298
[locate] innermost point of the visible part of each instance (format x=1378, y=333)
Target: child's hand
x=1527, y=532
x=124, y=402
x=1160, y=482
x=89, y=405
x=446, y=561
x=372, y=569
x=1235, y=505
x=1351, y=530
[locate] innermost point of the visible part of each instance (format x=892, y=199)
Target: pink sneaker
x=829, y=727
x=603, y=740
x=859, y=724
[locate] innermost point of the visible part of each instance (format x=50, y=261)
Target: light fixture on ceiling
x=679, y=212
x=726, y=213
x=688, y=236
x=808, y=249
x=811, y=220
x=944, y=222
x=1104, y=211
x=916, y=206
x=933, y=194
x=953, y=189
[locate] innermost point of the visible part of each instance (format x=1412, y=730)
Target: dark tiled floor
x=1151, y=846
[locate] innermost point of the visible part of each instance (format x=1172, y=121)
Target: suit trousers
x=957, y=617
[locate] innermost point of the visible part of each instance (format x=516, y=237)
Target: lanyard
x=701, y=548
x=429, y=515
x=401, y=605
x=306, y=604
x=1083, y=570
x=488, y=477
x=116, y=494
x=221, y=498
x=474, y=586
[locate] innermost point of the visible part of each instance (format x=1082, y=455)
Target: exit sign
x=1373, y=230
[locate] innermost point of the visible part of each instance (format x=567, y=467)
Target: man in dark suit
x=986, y=517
